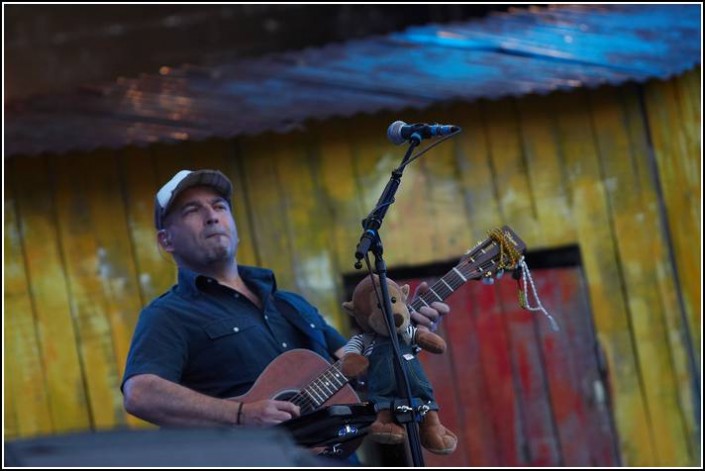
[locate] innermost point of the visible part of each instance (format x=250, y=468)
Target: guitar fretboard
x=450, y=282
x=441, y=289
x=320, y=389
x=476, y=264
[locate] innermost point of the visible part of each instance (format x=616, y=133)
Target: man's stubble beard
x=220, y=254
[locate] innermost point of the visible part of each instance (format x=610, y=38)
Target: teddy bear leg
x=385, y=430
x=435, y=437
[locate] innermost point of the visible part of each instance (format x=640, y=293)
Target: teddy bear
x=372, y=349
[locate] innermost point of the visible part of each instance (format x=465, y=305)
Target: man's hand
x=427, y=318
x=268, y=412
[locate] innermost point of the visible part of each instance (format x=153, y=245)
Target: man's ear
x=164, y=240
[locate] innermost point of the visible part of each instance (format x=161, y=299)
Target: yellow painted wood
x=410, y=232
x=84, y=258
x=637, y=243
x=375, y=158
x=10, y=425
x=268, y=213
x=335, y=172
x=37, y=208
x=679, y=173
x=475, y=174
x=689, y=92
x=224, y=156
x=140, y=183
x=308, y=227
x=509, y=170
x=661, y=269
x=689, y=89
x=418, y=231
x=154, y=269
x=439, y=201
x=117, y=270
x=547, y=183
x=605, y=282
x=335, y=169
x=26, y=395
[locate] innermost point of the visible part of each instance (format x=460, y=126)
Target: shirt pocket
x=226, y=327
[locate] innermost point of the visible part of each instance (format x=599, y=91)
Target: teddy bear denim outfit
x=211, y=339
x=373, y=350
x=381, y=379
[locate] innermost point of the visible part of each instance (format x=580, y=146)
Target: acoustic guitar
x=312, y=383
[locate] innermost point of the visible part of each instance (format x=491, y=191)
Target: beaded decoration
x=511, y=258
x=524, y=282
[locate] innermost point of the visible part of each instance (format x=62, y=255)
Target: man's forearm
x=162, y=402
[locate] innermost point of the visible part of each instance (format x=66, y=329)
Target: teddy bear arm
x=354, y=365
x=430, y=342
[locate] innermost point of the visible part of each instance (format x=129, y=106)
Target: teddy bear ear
x=348, y=307
x=405, y=290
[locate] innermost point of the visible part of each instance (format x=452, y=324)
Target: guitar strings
x=305, y=398
x=509, y=257
x=527, y=286
x=457, y=279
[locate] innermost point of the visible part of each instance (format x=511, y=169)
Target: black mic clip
x=400, y=132
x=369, y=236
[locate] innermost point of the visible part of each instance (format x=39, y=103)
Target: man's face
x=199, y=229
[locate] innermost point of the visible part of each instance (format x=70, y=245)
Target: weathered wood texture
x=615, y=171
x=516, y=392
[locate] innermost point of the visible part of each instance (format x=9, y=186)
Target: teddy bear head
x=367, y=309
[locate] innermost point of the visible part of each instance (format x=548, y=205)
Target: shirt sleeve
x=157, y=347
x=334, y=339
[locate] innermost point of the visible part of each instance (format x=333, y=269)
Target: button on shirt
x=214, y=340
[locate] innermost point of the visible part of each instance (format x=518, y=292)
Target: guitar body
x=289, y=373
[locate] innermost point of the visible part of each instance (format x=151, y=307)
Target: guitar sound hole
x=285, y=395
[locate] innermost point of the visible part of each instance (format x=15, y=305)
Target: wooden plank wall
x=567, y=168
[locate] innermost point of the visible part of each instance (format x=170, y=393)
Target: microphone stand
x=370, y=241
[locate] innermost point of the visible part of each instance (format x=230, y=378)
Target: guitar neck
x=441, y=289
x=500, y=251
x=318, y=391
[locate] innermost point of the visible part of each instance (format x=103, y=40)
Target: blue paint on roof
x=524, y=51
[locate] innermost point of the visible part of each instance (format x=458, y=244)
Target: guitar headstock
x=489, y=259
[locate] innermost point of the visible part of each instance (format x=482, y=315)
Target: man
x=211, y=336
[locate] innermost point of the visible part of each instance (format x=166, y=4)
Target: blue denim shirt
x=211, y=339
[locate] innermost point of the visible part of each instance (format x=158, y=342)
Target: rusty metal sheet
x=523, y=51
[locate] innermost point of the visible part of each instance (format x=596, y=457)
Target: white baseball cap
x=186, y=179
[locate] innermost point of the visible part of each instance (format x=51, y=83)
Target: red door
x=515, y=392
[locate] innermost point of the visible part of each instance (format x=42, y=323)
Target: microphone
x=399, y=131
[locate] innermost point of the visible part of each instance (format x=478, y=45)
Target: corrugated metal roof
x=536, y=50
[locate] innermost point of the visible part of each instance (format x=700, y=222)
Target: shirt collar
x=191, y=282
